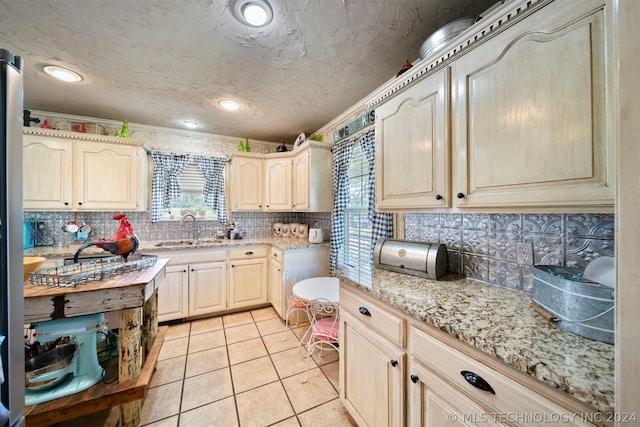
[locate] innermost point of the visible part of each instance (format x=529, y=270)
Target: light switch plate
x=524, y=253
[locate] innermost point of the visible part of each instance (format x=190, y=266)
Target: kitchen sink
x=186, y=243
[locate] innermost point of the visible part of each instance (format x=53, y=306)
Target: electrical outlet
x=524, y=253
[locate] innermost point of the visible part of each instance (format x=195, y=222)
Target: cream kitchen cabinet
x=372, y=364
x=412, y=147
x=312, y=179
x=247, y=185
x=248, y=277
x=289, y=266
x=71, y=171
x=277, y=184
x=195, y=284
x=530, y=113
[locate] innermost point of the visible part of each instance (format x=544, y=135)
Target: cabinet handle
x=249, y=253
x=460, y=195
x=364, y=311
x=80, y=203
x=438, y=197
x=394, y=363
x=66, y=203
x=477, y=381
x=414, y=379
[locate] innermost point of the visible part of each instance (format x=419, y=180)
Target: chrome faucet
x=195, y=227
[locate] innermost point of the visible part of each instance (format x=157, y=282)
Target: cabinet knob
x=267, y=205
x=80, y=203
x=193, y=269
x=460, y=195
x=414, y=379
x=438, y=197
x=66, y=203
x=394, y=363
x=184, y=271
x=477, y=381
x=364, y=311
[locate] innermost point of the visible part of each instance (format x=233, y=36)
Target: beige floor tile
x=270, y=326
x=179, y=330
x=205, y=341
x=332, y=371
x=246, y=350
x=236, y=319
x=241, y=333
x=205, y=361
x=161, y=402
x=289, y=422
x=264, y=314
x=275, y=344
x=173, y=348
x=206, y=388
x=263, y=405
x=252, y=374
x=331, y=414
x=291, y=362
x=217, y=414
x=168, y=371
x=206, y=325
x=316, y=391
x=167, y=422
x=328, y=355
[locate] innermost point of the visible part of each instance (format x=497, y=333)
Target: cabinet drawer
x=276, y=254
x=248, y=253
x=191, y=256
x=510, y=397
x=374, y=317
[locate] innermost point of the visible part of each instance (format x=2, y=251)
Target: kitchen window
x=355, y=225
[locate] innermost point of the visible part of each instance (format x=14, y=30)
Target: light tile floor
x=235, y=370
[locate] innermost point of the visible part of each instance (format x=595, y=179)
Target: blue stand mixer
x=67, y=370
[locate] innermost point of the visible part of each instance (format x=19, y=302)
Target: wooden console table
x=134, y=295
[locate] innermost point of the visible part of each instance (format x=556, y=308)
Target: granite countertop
x=283, y=243
x=499, y=322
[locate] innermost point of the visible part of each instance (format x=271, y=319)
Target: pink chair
x=294, y=303
x=324, y=328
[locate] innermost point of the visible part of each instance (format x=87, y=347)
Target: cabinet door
x=247, y=184
x=371, y=376
x=276, y=292
x=278, y=185
x=108, y=177
x=435, y=403
x=47, y=173
x=530, y=114
x=412, y=147
x=207, y=287
x=173, y=294
x=248, y=283
x=301, y=181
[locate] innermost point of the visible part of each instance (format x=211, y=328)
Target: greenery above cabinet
x=72, y=171
x=299, y=180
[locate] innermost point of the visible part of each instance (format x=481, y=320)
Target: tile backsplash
x=482, y=246
x=255, y=224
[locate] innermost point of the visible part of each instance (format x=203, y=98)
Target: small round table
x=318, y=287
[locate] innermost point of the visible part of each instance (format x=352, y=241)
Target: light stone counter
x=499, y=322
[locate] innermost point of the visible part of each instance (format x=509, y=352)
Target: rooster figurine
x=124, y=243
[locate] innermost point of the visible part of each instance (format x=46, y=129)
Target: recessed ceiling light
x=62, y=73
x=229, y=104
x=255, y=13
x=190, y=124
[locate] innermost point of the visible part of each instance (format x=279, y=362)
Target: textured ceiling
x=160, y=62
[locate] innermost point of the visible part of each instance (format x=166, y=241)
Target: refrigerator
x=11, y=220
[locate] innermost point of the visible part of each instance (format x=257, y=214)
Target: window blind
x=191, y=180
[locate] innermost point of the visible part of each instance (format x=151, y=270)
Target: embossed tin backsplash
x=482, y=246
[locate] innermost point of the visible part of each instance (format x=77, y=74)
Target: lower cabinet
x=247, y=277
x=378, y=366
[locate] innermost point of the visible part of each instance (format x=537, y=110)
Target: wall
x=482, y=246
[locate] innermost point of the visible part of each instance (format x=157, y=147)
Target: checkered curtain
x=341, y=159
x=212, y=169
x=164, y=185
x=382, y=223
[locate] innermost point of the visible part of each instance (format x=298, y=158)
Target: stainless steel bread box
x=428, y=260
x=582, y=307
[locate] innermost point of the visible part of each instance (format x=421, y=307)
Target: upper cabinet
x=513, y=117
x=412, y=147
x=297, y=180
x=76, y=172
x=529, y=114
